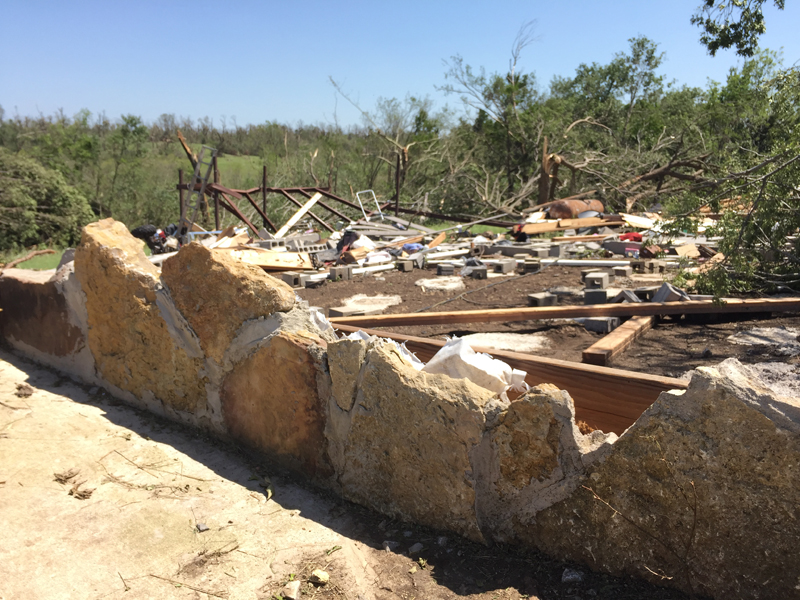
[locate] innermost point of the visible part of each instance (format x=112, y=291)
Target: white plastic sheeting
x=458, y=360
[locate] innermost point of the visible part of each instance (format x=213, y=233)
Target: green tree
x=37, y=206
x=736, y=23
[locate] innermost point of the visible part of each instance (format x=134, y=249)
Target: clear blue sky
x=260, y=61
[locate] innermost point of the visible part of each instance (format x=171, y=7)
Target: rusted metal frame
x=264, y=193
x=217, y=187
x=234, y=210
x=327, y=207
x=180, y=190
x=453, y=218
x=263, y=215
x=310, y=214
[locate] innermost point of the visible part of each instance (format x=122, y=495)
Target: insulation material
x=458, y=360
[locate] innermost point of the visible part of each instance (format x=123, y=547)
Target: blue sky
x=271, y=61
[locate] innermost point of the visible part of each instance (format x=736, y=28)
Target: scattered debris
x=319, y=577
x=291, y=591
x=65, y=476
x=23, y=390
x=201, y=527
x=81, y=494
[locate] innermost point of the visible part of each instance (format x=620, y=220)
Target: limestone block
x=129, y=339
x=344, y=362
x=217, y=293
x=700, y=494
x=270, y=402
x=407, y=452
x=36, y=313
x=532, y=456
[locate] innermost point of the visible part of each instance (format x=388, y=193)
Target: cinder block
x=445, y=269
x=305, y=280
x=531, y=266
x=637, y=266
x=625, y=296
x=405, y=265
x=601, y=324
x=655, y=266
x=480, y=272
x=291, y=278
x=623, y=271
x=586, y=272
x=595, y=296
x=556, y=251
x=343, y=273
x=645, y=293
x=542, y=299
x=596, y=281
x=272, y=244
x=505, y=266
x=669, y=293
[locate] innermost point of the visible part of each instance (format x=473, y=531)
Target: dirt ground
x=671, y=348
x=155, y=484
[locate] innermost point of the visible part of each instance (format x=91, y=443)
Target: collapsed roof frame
x=223, y=199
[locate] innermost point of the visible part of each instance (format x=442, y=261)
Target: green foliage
x=736, y=23
x=37, y=206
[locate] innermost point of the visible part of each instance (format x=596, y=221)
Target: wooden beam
x=507, y=315
x=607, y=399
x=311, y=214
x=272, y=261
x=549, y=226
x=582, y=238
x=615, y=343
x=437, y=240
x=298, y=215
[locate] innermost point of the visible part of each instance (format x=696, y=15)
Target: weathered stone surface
x=407, y=450
x=35, y=313
x=216, y=293
x=270, y=402
x=344, y=361
x=531, y=457
x=701, y=493
x=130, y=341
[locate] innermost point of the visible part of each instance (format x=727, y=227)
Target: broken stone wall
x=699, y=494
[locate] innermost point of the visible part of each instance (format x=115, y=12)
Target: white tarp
x=458, y=360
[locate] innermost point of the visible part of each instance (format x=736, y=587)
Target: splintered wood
x=273, y=261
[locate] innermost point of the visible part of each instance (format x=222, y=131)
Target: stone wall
x=701, y=493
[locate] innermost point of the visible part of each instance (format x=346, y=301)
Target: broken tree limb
x=615, y=343
x=27, y=257
x=189, y=154
x=607, y=399
x=507, y=315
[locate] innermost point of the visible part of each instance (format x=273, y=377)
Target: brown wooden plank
x=272, y=261
x=502, y=315
x=437, y=240
x=613, y=344
x=607, y=399
x=546, y=227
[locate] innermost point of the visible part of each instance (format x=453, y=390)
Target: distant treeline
x=617, y=128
